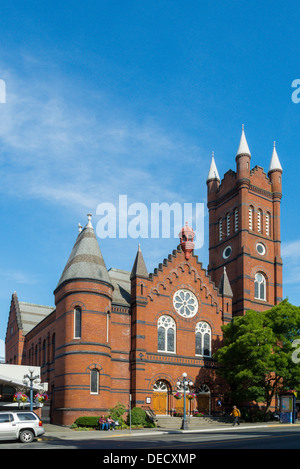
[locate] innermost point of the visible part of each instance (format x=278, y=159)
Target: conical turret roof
x=275, y=163
x=86, y=260
x=139, y=268
x=243, y=146
x=213, y=172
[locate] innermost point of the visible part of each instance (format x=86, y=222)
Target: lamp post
x=184, y=385
x=29, y=378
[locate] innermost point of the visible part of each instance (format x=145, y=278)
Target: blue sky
x=131, y=97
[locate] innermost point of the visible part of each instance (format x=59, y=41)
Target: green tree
x=257, y=357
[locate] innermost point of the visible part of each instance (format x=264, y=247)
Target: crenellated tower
x=244, y=230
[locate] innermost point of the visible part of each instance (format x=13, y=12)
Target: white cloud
x=19, y=277
x=291, y=262
x=55, y=149
x=291, y=250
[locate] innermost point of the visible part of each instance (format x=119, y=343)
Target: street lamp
x=184, y=385
x=29, y=378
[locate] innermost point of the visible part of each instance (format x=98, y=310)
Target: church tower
x=244, y=230
x=83, y=300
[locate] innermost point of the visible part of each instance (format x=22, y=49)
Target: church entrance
x=203, y=399
x=160, y=397
x=179, y=406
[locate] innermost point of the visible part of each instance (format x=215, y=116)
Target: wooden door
x=203, y=403
x=160, y=403
x=180, y=405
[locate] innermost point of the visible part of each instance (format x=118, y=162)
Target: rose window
x=185, y=303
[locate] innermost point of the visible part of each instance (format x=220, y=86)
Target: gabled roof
x=28, y=315
x=85, y=261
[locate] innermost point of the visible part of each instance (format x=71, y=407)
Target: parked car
x=20, y=425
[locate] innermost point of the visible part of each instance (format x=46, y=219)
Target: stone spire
x=275, y=163
x=139, y=268
x=224, y=285
x=213, y=172
x=243, y=146
x=85, y=261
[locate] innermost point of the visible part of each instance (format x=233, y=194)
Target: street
x=264, y=437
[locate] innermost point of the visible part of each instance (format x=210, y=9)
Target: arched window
x=166, y=332
x=259, y=221
x=94, y=381
x=260, y=286
x=77, y=323
x=236, y=219
x=268, y=218
x=203, y=339
x=251, y=217
x=220, y=229
x=228, y=224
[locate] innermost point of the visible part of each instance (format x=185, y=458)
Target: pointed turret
x=85, y=261
x=213, y=180
x=83, y=300
x=139, y=268
x=213, y=174
x=243, y=146
x=224, y=285
x=275, y=163
x=242, y=158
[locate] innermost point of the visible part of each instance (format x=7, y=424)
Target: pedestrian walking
x=236, y=415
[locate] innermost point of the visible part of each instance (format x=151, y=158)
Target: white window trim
x=264, y=281
x=198, y=330
x=74, y=333
x=92, y=371
x=160, y=323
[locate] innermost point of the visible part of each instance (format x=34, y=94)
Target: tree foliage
x=257, y=358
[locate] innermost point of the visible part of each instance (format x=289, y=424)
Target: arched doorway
x=160, y=397
x=203, y=399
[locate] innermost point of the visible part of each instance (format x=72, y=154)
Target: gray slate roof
x=32, y=314
x=120, y=280
x=29, y=314
x=86, y=259
x=224, y=285
x=139, y=268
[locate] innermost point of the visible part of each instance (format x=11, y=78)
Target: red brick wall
x=255, y=188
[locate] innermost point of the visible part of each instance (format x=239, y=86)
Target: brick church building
x=115, y=335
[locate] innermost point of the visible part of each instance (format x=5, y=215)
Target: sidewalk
x=56, y=431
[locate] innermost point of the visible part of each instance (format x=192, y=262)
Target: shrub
x=138, y=417
x=88, y=421
x=117, y=412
